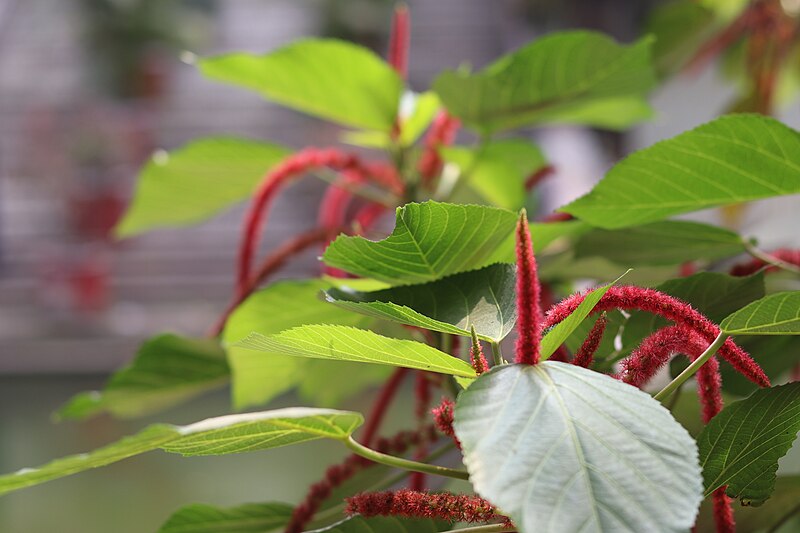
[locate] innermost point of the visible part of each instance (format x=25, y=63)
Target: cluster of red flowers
x=416, y=504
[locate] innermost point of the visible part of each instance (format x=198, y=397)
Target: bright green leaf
x=193, y=183
x=741, y=446
x=248, y=518
x=733, y=159
x=423, y=109
x=214, y=436
x=498, y=170
x=430, y=240
x=343, y=343
x=562, y=448
x=327, y=78
x=568, y=77
x=556, y=336
x=680, y=27
x=167, y=370
x=776, y=314
x=258, y=377
x=661, y=243
x=485, y=299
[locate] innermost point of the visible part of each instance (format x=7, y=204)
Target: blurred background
x=88, y=90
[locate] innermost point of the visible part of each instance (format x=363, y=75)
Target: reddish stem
x=381, y=405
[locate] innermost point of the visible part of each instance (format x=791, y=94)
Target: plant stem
x=770, y=260
x=497, y=354
x=488, y=528
x=692, y=368
x=399, y=462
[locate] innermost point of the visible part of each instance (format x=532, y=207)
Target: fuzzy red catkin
x=529, y=312
x=537, y=177
x=442, y=133
x=652, y=301
x=414, y=504
x=476, y=357
x=443, y=419
x=786, y=255
x=585, y=354
x=399, y=40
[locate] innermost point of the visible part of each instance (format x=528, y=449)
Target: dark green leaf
x=330, y=79
x=741, y=446
x=576, y=77
x=167, y=370
x=258, y=377
x=248, y=518
x=562, y=448
x=214, y=436
x=661, y=243
x=776, y=314
x=430, y=240
x=733, y=159
x=343, y=343
x=195, y=182
x=485, y=299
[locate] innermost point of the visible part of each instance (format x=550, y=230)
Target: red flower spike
x=441, y=133
x=338, y=474
x=443, y=418
x=399, y=40
x=529, y=313
x=786, y=255
x=537, y=177
x=677, y=311
x=414, y=504
x=585, y=354
x=476, y=356
x=723, y=511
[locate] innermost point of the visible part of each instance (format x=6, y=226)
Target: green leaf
x=777, y=355
x=776, y=314
x=327, y=78
x=680, y=27
x=485, y=299
x=343, y=343
x=213, y=436
x=167, y=370
x=497, y=171
x=569, y=77
x=556, y=336
x=195, y=182
x=733, y=159
x=430, y=240
x=741, y=446
x=248, y=518
x=423, y=109
x=258, y=377
x=562, y=448
x=660, y=243
x=385, y=524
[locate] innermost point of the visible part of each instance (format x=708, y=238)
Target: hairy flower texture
x=476, y=357
x=399, y=39
x=338, y=474
x=785, y=255
x=537, y=177
x=585, y=354
x=291, y=168
x=443, y=419
x=682, y=314
x=441, y=133
x=723, y=511
x=414, y=504
x=529, y=312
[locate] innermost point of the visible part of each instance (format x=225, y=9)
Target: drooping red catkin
x=476, y=357
x=443, y=418
x=537, y=177
x=529, y=313
x=723, y=511
x=441, y=133
x=399, y=40
x=585, y=354
x=338, y=474
x=413, y=504
x=629, y=297
x=290, y=168
x=791, y=257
